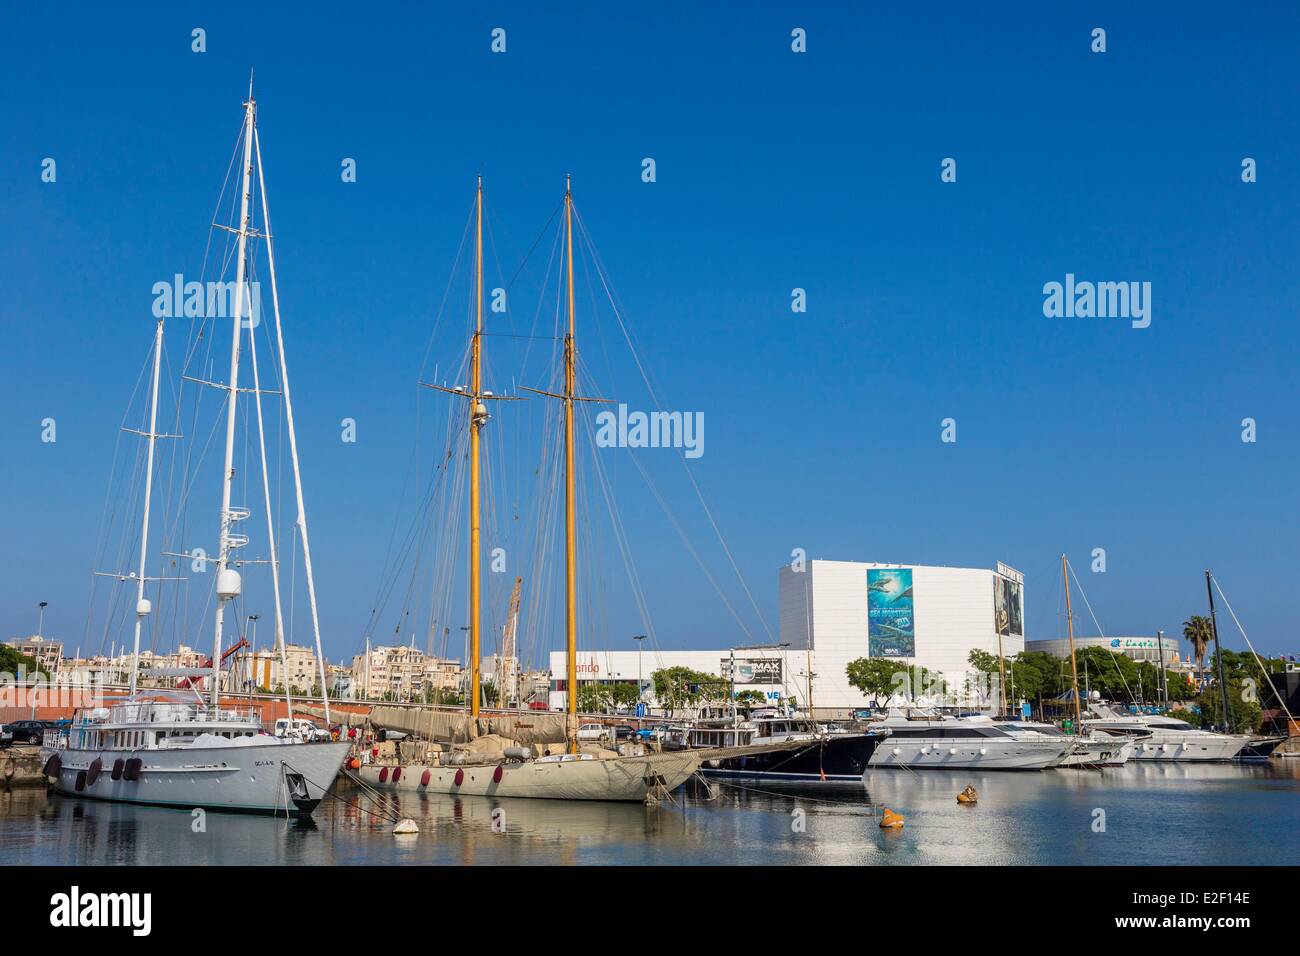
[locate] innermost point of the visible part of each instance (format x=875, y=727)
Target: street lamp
x=638, y=638
x=40, y=627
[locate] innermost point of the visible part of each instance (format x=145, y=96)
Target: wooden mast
x=477, y=418
x=570, y=536
x=1074, y=667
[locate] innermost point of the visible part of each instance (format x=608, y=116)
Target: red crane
x=189, y=681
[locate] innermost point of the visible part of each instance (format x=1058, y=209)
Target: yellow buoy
x=889, y=820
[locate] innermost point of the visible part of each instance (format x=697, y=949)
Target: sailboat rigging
x=519, y=770
x=165, y=748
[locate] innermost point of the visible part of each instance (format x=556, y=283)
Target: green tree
x=1243, y=706
x=755, y=697
x=623, y=694
x=594, y=697
x=11, y=660
x=1198, y=632
x=681, y=686
x=883, y=679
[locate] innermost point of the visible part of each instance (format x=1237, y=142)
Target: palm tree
x=1197, y=632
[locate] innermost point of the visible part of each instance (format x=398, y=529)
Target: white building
x=776, y=674
x=834, y=612
x=932, y=617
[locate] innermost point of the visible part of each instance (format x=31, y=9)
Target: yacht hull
x=1099, y=753
x=614, y=778
x=1184, y=746
x=975, y=754
x=275, y=778
x=839, y=757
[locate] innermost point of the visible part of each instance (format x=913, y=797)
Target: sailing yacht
x=525, y=771
x=183, y=748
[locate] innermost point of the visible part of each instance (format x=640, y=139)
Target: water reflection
x=1150, y=813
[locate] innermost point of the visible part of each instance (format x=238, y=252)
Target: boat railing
x=137, y=712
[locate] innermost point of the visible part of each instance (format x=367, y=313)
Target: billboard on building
x=1008, y=606
x=762, y=670
x=891, y=626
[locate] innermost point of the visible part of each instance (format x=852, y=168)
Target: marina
x=356, y=553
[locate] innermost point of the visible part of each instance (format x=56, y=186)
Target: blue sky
x=774, y=171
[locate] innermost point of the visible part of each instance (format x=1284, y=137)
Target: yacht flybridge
x=190, y=748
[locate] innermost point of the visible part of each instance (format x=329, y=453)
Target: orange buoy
x=968, y=796
x=889, y=820
x=354, y=764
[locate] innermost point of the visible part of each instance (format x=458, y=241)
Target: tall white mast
x=270, y=522
x=142, y=606
x=228, y=580
x=288, y=414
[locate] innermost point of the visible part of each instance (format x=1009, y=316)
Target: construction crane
x=189, y=681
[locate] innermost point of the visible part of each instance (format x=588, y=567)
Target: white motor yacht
x=1160, y=737
x=1089, y=750
x=932, y=741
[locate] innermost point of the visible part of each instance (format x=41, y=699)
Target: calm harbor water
x=1153, y=814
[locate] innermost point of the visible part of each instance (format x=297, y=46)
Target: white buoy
x=405, y=826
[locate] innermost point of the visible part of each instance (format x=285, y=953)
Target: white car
x=6, y=736
x=593, y=732
x=302, y=729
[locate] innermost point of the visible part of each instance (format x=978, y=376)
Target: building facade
x=931, y=617
x=47, y=653
x=1152, y=649
x=777, y=675
x=402, y=674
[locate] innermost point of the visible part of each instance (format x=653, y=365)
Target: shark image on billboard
x=1008, y=607
x=891, y=627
